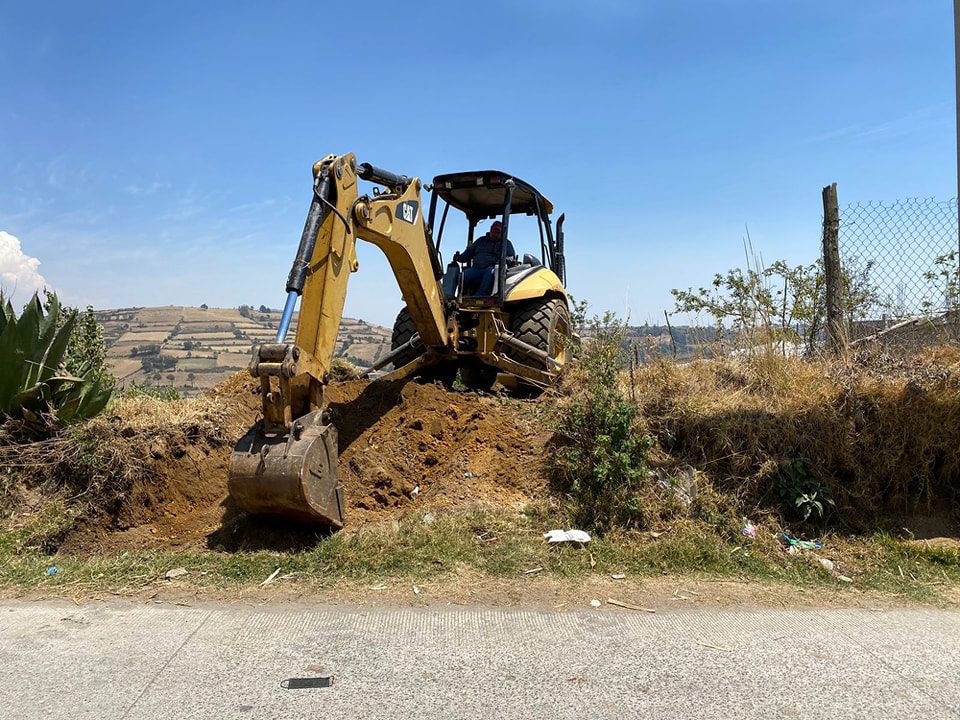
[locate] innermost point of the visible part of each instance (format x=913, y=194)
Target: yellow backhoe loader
x=286, y=465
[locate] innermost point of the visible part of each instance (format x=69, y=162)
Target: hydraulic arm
x=287, y=463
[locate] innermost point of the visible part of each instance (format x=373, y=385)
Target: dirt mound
x=402, y=446
x=411, y=444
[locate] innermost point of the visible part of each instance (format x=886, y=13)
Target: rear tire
x=544, y=324
x=404, y=329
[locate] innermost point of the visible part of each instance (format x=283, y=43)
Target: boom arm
x=393, y=221
x=287, y=464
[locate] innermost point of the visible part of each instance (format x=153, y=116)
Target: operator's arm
x=468, y=254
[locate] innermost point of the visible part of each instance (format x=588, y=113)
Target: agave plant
x=34, y=385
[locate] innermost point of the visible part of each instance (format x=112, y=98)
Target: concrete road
x=121, y=661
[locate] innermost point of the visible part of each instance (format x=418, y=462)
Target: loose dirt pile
x=403, y=446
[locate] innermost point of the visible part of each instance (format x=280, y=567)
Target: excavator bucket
x=291, y=476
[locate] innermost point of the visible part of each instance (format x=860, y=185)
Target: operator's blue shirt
x=485, y=252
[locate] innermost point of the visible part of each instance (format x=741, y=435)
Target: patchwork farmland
x=193, y=349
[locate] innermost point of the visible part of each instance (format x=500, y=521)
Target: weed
x=600, y=460
x=802, y=493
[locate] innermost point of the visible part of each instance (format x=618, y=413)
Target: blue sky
x=160, y=153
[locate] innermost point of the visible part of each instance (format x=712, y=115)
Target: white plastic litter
x=557, y=536
x=595, y=603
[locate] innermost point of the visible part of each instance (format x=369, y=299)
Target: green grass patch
x=196, y=363
x=492, y=544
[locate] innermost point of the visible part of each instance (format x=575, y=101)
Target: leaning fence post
x=833, y=278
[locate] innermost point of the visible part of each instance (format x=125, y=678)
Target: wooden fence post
x=833, y=277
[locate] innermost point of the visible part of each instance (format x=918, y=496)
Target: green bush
x=600, y=459
x=801, y=494
x=35, y=383
x=160, y=392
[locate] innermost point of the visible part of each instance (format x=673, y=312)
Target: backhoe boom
x=275, y=469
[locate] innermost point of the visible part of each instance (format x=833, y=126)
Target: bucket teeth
x=289, y=476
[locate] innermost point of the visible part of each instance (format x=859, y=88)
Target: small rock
x=826, y=564
x=176, y=572
x=429, y=518
x=595, y=603
x=619, y=576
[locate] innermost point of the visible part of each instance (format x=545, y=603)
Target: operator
x=485, y=253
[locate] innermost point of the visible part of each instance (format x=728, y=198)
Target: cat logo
x=407, y=211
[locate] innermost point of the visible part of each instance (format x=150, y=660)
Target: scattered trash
x=713, y=647
x=749, y=529
x=52, y=570
x=595, y=603
x=273, y=576
x=802, y=544
x=618, y=576
x=378, y=587
x=843, y=578
x=307, y=682
x=176, y=572
x=654, y=534
x=826, y=564
x=630, y=606
x=416, y=590
x=682, y=483
x=557, y=536
x=429, y=518
x=531, y=571
x=415, y=491
x=469, y=475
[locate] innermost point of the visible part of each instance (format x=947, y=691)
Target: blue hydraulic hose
x=287, y=314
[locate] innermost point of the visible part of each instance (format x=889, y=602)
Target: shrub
x=341, y=370
x=159, y=392
x=600, y=459
x=35, y=384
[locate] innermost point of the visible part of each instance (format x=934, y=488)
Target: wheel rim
x=559, y=339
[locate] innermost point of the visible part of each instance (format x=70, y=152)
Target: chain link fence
x=900, y=258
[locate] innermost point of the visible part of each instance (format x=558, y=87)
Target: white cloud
x=19, y=278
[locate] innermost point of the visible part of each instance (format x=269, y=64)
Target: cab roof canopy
x=481, y=193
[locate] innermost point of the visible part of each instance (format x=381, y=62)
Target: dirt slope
x=402, y=446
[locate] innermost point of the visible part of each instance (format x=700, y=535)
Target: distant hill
x=193, y=349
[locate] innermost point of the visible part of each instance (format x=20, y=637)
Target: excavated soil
x=403, y=446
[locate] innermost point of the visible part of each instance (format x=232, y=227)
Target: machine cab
x=495, y=195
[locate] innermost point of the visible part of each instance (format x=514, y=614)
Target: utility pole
x=956, y=54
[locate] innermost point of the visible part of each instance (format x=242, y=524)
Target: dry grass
x=92, y=465
x=882, y=433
